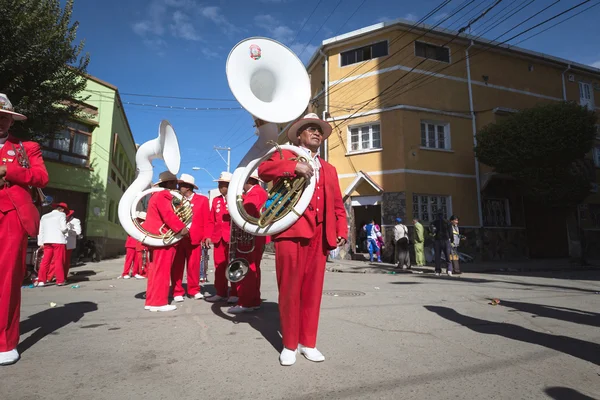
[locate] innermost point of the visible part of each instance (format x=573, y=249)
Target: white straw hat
x=186, y=178
x=7, y=108
x=225, y=177
x=311, y=118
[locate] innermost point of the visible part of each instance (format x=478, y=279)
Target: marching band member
x=301, y=250
x=190, y=247
x=73, y=232
x=220, y=227
x=21, y=167
x=53, y=238
x=133, y=250
x=248, y=289
x=161, y=212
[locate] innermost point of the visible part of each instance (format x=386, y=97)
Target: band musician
x=248, y=289
x=21, y=167
x=220, y=228
x=133, y=254
x=189, y=249
x=53, y=238
x=301, y=251
x=161, y=212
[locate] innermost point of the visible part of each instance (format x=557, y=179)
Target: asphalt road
x=405, y=336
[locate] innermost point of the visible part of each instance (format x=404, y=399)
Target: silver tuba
x=165, y=147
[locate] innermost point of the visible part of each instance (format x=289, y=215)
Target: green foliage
x=41, y=68
x=544, y=149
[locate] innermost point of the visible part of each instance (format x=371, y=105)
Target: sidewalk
x=366, y=267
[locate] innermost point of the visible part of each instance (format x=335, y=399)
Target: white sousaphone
x=272, y=84
x=165, y=147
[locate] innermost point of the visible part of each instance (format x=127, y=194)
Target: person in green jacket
x=419, y=241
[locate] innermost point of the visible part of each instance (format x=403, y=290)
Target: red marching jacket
x=131, y=243
x=161, y=212
x=335, y=220
x=200, y=219
x=15, y=195
x=219, y=221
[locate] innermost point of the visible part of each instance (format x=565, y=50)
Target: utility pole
x=228, y=155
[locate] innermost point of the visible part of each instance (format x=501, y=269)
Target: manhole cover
x=343, y=293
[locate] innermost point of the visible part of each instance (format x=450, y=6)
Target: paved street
x=403, y=336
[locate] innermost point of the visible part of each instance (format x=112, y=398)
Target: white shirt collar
x=191, y=196
x=248, y=191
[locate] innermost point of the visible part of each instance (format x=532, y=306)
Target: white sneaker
x=198, y=296
x=449, y=273
x=138, y=276
x=215, y=298
x=240, y=309
x=178, y=299
x=126, y=277
x=311, y=353
x=168, y=307
x=232, y=299
x=287, y=357
x=41, y=284
x=9, y=357
x=147, y=307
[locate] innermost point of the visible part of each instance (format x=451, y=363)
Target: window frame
x=447, y=135
x=387, y=44
x=369, y=149
x=435, y=45
x=431, y=214
x=69, y=153
x=596, y=155
x=507, y=216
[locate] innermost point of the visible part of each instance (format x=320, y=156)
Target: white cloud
x=411, y=17
x=214, y=14
x=440, y=17
x=208, y=53
x=596, y=64
x=183, y=28
x=384, y=19
x=286, y=35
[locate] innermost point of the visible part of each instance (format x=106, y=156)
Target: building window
x=496, y=212
x=111, y=211
x=435, y=135
x=597, y=156
x=426, y=207
x=586, y=97
x=71, y=145
x=113, y=175
x=365, y=137
x=365, y=53
x=432, y=52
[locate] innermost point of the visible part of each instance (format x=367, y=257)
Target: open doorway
x=362, y=216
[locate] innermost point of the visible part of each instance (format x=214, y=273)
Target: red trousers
x=132, y=262
x=221, y=256
x=248, y=289
x=13, y=248
x=159, y=276
x=53, y=260
x=192, y=254
x=300, y=268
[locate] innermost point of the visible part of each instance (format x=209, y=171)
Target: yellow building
x=405, y=104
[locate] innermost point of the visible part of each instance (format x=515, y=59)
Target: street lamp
x=204, y=169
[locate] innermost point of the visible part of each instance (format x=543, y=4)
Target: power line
x=163, y=96
x=322, y=25
x=306, y=20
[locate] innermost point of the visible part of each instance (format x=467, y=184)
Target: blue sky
x=179, y=48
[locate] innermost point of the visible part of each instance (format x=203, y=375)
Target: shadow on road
x=575, y=347
x=564, y=393
x=265, y=321
x=465, y=279
x=561, y=313
x=80, y=276
x=49, y=321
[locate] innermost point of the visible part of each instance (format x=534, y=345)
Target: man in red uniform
x=301, y=250
x=248, y=289
x=133, y=252
x=219, y=232
x=190, y=247
x=161, y=212
x=21, y=166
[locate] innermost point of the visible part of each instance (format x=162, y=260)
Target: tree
x=41, y=69
x=544, y=149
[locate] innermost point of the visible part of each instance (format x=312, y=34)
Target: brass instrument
x=182, y=208
x=238, y=243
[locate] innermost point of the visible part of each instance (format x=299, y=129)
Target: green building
x=91, y=163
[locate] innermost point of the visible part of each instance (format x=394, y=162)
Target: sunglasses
x=314, y=129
